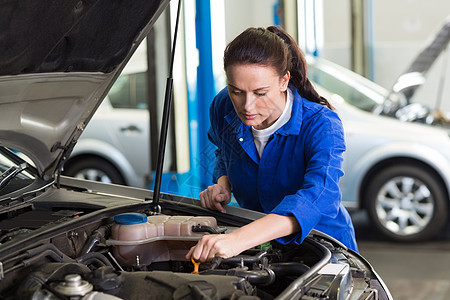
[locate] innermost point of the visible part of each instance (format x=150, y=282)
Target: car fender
x=354, y=177
x=108, y=152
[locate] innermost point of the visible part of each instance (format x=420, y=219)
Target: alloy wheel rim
x=404, y=205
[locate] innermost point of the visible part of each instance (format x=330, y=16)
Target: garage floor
x=411, y=271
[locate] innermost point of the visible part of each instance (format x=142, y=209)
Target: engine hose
x=96, y=237
x=61, y=257
x=289, y=268
x=204, y=228
x=94, y=258
x=249, y=259
x=216, y=261
x=265, y=276
x=46, y=250
x=36, y=254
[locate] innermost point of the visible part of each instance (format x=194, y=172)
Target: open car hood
x=414, y=76
x=399, y=101
x=57, y=63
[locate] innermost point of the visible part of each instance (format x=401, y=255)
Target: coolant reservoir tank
x=133, y=226
x=138, y=239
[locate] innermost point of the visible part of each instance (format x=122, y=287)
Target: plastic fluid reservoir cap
x=130, y=218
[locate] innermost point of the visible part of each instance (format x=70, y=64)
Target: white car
x=114, y=147
x=398, y=171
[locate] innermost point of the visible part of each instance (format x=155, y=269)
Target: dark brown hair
x=273, y=47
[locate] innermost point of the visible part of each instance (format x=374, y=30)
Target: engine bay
x=136, y=254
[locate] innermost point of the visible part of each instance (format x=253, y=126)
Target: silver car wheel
x=404, y=205
x=406, y=201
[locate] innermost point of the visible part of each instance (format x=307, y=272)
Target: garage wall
x=400, y=30
x=241, y=14
x=234, y=17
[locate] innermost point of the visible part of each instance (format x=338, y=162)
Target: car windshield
x=356, y=90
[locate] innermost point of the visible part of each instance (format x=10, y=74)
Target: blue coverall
x=299, y=170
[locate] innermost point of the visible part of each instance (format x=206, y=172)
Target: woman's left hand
x=214, y=245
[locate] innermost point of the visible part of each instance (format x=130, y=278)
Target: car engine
x=137, y=255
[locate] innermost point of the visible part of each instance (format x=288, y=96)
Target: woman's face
x=258, y=93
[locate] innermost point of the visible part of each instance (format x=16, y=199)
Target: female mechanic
x=279, y=148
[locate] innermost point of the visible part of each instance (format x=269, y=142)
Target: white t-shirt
x=260, y=137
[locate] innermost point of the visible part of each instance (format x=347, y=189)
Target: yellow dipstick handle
x=196, y=265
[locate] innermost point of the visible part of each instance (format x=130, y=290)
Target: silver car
x=398, y=171
x=114, y=147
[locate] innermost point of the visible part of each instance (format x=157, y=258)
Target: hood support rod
x=165, y=121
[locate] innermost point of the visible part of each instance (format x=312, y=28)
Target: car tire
x=93, y=168
x=407, y=203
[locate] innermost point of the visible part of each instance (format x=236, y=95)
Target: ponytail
x=299, y=68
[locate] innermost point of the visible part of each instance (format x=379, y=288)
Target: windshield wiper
x=9, y=174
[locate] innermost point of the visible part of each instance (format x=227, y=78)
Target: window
x=356, y=91
x=130, y=91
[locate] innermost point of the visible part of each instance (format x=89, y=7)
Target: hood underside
x=72, y=35
x=57, y=62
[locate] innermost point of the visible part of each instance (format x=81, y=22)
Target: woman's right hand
x=215, y=197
